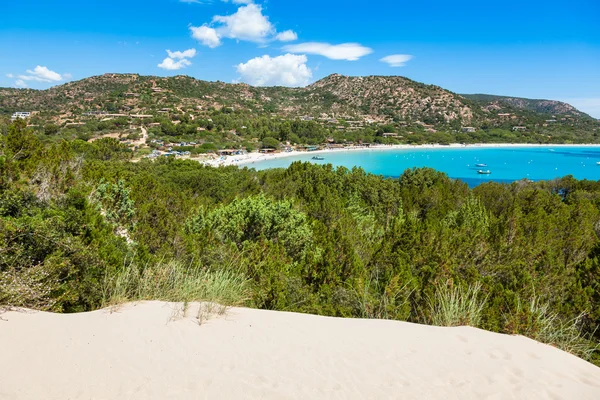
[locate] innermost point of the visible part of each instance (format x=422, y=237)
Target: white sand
x=138, y=352
x=251, y=158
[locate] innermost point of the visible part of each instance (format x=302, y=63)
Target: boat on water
x=598, y=163
x=481, y=165
x=484, y=172
x=318, y=158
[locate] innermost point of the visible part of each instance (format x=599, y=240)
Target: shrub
x=457, y=306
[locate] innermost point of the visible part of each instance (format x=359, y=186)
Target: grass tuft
x=457, y=306
x=174, y=282
x=546, y=327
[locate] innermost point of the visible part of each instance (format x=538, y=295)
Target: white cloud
x=345, y=51
x=248, y=23
x=170, y=62
x=43, y=74
x=172, y=65
x=397, y=60
x=178, y=55
x=206, y=35
x=20, y=83
x=286, y=36
x=10, y=76
x=286, y=70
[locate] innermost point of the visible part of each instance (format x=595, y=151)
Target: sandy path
x=143, y=138
x=139, y=353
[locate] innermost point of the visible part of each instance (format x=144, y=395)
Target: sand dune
x=148, y=351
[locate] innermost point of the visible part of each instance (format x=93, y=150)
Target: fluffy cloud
x=286, y=36
x=177, y=60
x=397, y=60
x=20, y=83
x=286, y=70
x=178, y=55
x=43, y=74
x=206, y=35
x=171, y=65
x=247, y=23
x=345, y=51
x=10, y=76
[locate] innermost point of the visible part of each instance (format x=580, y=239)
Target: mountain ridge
x=374, y=98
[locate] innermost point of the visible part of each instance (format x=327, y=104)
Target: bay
x=506, y=164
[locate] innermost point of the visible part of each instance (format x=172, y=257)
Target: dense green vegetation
x=226, y=129
x=337, y=109
x=79, y=224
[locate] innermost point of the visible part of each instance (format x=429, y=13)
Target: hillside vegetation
x=81, y=227
x=337, y=109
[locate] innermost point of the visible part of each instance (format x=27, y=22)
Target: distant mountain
x=518, y=103
x=381, y=99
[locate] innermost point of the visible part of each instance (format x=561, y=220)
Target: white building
x=20, y=115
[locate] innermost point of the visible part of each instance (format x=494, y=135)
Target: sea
x=505, y=164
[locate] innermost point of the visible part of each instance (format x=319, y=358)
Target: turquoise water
x=506, y=164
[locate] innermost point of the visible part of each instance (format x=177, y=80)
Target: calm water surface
x=506, y=164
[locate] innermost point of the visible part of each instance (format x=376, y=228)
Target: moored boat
x=481, y=165
x=484, y=172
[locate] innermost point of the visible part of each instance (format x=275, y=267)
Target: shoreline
x=254, y=157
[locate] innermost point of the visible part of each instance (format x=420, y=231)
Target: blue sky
x=537, y=49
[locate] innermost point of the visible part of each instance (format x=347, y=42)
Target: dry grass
x=457, y=306
x=546, y=327
x=173, y=282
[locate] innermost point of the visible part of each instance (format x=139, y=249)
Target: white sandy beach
x=148, y=351
x=254, y=157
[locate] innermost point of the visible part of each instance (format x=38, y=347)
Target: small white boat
x=484, y=172
x=598, y=163
x=481, y=165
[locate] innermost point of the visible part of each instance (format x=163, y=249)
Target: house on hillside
x=519, y=128
x=20, y=115
x=469, y=129
x=141, y=116
x=390, y=134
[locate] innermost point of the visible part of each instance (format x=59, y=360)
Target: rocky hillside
x=375, y=99
x=394, y=96
x=537, y=106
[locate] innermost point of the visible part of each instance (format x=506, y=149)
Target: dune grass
x=546, y=327
x=174, y=282
x=457, y=306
